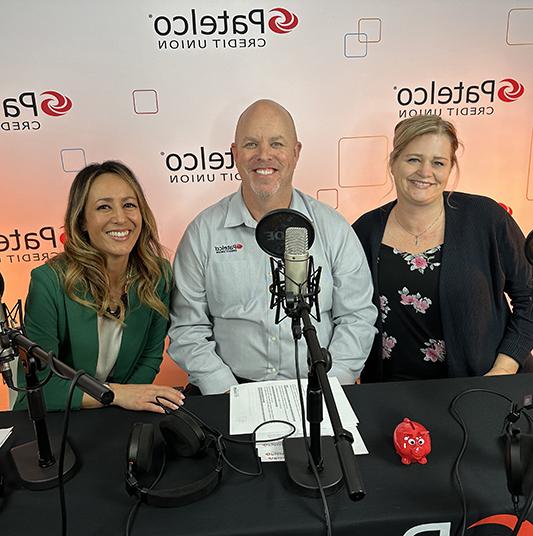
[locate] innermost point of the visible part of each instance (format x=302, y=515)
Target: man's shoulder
x=213, y=215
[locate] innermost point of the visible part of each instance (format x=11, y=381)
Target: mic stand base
x=35, y=477
x=301, y=475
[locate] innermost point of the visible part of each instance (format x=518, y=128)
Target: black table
x=398, y=497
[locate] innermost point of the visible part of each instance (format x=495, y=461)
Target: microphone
x=270, y=230
x=7, y=352
x=286, y=235
x=296, y=257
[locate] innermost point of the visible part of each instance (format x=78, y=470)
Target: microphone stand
x=44, y=475
x=331, y=465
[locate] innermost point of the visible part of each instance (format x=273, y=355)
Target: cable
x=460, y=421
x=135, y=506
x=525, y=512
x=314, y=469
x=42, y=383
x=61, y=462
x=220, y=438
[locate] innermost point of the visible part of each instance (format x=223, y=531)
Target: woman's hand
x=503, y=365
x=141, y=397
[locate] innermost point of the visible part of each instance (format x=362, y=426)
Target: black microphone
x=7, y=352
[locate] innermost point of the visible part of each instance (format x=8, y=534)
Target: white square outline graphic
x=509, y=24
x=78, y=149
x=336, y=205
x=373, y=185
x=360, y=30
x=356, y=34
x=156, y=101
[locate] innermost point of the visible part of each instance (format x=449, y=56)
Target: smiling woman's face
x=113, y=219
x=422, y=169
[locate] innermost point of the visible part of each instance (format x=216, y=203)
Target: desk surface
x=398, y=497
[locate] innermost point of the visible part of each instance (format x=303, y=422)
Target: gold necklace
x=417, y=236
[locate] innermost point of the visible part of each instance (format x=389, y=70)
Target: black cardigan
x=483, y=258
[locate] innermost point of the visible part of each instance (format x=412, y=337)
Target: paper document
x=257, y=402
x=4, y=434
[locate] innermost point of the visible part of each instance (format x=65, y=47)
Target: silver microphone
x=296, y=258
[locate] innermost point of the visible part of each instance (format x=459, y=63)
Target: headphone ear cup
x=183, y=435
x=513, y=462
x=141, y=447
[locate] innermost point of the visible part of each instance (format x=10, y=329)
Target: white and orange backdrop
x=159, y=84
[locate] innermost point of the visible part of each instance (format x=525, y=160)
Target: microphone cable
x=61, y=461
x=455, y=414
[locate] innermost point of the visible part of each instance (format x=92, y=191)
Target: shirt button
x=273, y=370
x=274, y=339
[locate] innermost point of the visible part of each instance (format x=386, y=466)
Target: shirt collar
x=238, y=213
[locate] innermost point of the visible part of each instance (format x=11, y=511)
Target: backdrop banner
x=159, y=85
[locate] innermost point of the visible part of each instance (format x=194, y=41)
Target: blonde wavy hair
x=82, y=267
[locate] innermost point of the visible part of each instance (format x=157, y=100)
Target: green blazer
x=69, y=329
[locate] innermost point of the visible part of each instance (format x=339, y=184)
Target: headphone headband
x=182, y=435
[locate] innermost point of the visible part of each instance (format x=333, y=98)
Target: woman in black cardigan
x=442, y=264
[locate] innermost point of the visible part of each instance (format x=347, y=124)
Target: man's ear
x=297, y=149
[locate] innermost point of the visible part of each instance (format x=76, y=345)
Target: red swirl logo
x=506, y=208
x=284, y=22
x=63, y=235
x=56, y=105
x=505, y=520
x=511, y=90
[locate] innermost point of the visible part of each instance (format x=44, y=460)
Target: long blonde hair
x=83, y=267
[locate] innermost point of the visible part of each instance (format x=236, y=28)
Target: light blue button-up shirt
x=221, y=323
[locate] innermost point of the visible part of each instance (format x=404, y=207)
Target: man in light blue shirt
x=222, y=329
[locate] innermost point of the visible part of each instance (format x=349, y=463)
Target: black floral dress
x=413, y=345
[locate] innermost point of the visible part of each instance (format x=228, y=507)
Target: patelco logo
x=57, y=104
x=23, y=112
x=506, y=208
x=482, y=98
x=506, y=520
x=36, y=245
x=511, y=90
x=220, y=28
x=284, y=22
x=230, y=248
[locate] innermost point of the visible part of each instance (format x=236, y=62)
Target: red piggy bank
x=412, y=442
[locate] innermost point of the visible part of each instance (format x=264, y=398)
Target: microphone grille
x=296, y=241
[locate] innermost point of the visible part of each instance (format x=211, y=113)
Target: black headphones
x=182, y=435
x=518, y=456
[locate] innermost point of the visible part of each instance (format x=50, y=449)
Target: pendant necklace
x=417, y=236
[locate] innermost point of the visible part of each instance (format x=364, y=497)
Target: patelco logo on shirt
x=229, y=248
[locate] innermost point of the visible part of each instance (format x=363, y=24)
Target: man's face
x=266, y=151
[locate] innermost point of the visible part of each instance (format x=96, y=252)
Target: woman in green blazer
x=102, y=304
